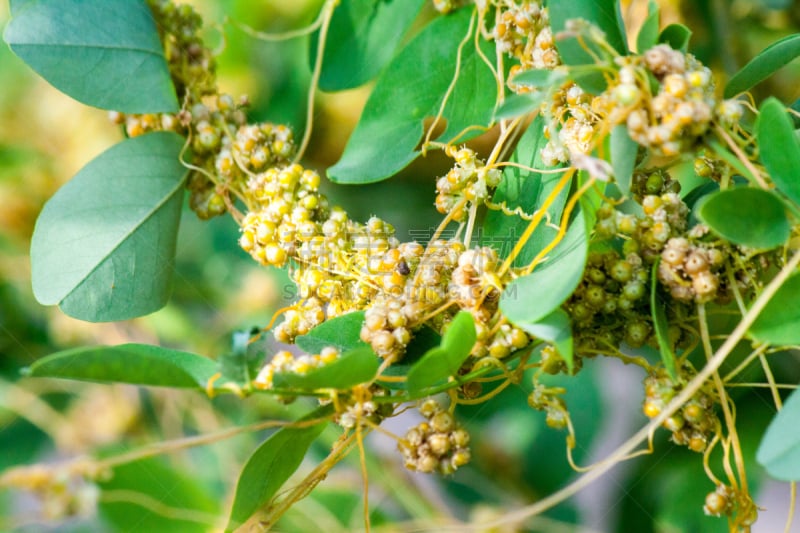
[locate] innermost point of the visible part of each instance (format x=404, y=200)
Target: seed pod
x=442, y=422
x=716, y=504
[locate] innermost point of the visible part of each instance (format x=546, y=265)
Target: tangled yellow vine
x=663, y=100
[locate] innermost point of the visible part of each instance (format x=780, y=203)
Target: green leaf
x=648, y=33
x=362, y=39
x=445, y=360
x=242, y=363
x=529, y=299
x=271, y=465
x=342, y=333
x=779, y=147
x=411, y=89
x=677, y=36
x=764, y=65
x=423, y=340
x=779, y=451
x=104, y=244
x=104, y=53
x=779, y=322
x=661, y=326
x=555, y=328
x=353, y=367
x=137, y=364
x=602, y=13
x=623, y=157
x=16, y=5
x=171, y=487
x=795, y=118
x=541, y=78
x=526, y=191
x=517, y=105
x=459, y=336
x=746, y=216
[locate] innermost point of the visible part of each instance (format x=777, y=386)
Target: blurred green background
x=45, y=138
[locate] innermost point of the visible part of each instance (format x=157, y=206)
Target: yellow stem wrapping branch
x=677, y=402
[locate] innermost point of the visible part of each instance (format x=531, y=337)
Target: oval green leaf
x=602, y=13
x=764, y=65
x=517, y=105
x=746, y=216
x=460, y=336
x=779, y=147
x=352, y=368
x=677, y=36
x=541, y=78
x=271, y=465
x=555, y=328
x=623, y=157
x=779, y=451
x=529, y=299
x=412, y=89
x=104, y=53
x=362, y=39
x=445, y=360
x=648, y=33
x=177, y=488
x=136, y=364
x=342, y=333
x=524, y=191
x=779, y=322
x=104, y=244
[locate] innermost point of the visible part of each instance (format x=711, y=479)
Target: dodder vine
x=618, y=244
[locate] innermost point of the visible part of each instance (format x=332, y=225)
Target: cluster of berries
x=436, y=445
x=191, y=64
x=679, y=112
x=612, y=300
x=666, y=119
x=286, y=213
x=665, y=216
x=548, y=399
x=691, y=271
x=522, y=31
x=572, y=120
x=694, y=424
x=226, y=150
x=427, y=280
x=652, y=182
x=468, y=180
x=286, y=362
x=361, y=405
x=727, y=501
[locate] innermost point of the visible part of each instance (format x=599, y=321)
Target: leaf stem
x=326, y=15
x=160, y=448
x=742, y=157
